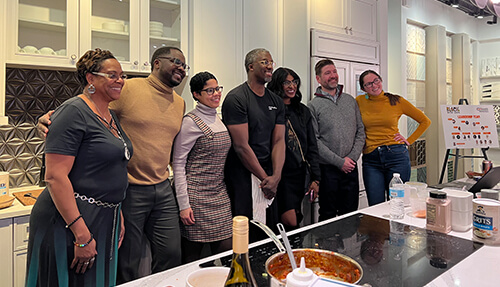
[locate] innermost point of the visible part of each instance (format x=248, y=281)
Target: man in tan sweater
x=150, y=113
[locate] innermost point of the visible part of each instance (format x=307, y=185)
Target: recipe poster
x=467, y=126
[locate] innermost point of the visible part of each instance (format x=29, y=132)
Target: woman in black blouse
x=301, y=153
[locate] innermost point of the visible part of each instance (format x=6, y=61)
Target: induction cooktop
x=390, y=253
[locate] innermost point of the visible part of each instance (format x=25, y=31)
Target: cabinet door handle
x=136, y=62
x=146, y=63
x=73, y=57
x=350, y=30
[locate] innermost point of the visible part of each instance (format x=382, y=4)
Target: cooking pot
x=324, y=263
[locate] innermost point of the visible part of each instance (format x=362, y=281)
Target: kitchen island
x=409, y=254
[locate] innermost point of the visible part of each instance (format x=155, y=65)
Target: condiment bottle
x=300, y=277
x=438, y=212
x=241, y=272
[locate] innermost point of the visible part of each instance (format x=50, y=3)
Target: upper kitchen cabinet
x=162, y=27
x=348, y=18
x=42, y=32
x=58, y=32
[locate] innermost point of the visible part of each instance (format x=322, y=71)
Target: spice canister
x=438, y=212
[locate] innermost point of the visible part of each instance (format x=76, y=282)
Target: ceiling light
x=495, y=1
x=480, y=15
x=454, y=3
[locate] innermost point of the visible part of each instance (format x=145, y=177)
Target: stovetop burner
x=390, y=253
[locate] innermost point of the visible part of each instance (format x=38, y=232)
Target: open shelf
x=42, y=25
x=110, y=34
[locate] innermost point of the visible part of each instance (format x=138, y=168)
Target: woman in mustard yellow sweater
x=386, y=150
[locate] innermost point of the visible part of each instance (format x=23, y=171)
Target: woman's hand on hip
x=401, y=139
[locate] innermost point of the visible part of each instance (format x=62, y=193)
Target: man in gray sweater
x=341, y=137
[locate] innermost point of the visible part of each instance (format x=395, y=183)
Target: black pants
x=239, y=188
x=191, y=250
x=338, y=192
x=151, y=210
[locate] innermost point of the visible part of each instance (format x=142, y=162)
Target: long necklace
x=110, y=127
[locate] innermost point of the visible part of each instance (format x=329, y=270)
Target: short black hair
x=198, y=81
x=162, y=51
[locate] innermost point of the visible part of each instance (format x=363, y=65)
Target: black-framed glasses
x=111, y=76
x=267, y=63
x=177, y=62
x=211, y=91
x=289, y=83
x=370, y=84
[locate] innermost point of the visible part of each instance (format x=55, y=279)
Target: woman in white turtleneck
x=200, y=151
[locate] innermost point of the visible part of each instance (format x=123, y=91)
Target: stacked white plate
x=155, y=29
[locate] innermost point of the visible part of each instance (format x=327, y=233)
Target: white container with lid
x=301, y=276
x=461, y=209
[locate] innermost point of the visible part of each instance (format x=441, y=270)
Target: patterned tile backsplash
x=29, y=94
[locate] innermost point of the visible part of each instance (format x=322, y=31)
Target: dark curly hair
x=276, y=84
x=198, y=81
x=90, y=62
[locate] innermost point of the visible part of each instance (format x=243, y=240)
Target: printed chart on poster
x=469, y=126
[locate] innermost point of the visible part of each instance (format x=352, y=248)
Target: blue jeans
x=378, y=167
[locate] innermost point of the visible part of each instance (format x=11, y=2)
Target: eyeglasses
x=211, y=91
x=289, y=83
x=267, y=63
x=112, y=76
x=370, y=84
x=177, y=62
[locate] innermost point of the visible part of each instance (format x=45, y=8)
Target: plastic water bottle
x=397, y=193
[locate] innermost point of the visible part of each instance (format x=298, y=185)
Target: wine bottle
x=240, y=274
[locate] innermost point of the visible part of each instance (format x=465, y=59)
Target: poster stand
x=457, y=155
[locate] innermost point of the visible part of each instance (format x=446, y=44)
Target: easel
x=459, y=156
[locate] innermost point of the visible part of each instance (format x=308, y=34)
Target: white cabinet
x=14, y=233
x=35, y=24
x=57, y=32
x=349, y=18
x=6, y=270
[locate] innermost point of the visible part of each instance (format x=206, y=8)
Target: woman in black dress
x=76, y=224
x=301, y=152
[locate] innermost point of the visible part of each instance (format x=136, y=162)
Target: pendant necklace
x=111, y=127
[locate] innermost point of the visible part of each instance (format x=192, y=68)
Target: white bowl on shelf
x=155, y=34
x=47, y=51
x=155, y=24
x=30, y=49
x=61, y=52
x=113, y=26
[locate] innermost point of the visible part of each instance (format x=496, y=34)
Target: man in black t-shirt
x=255, y=119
